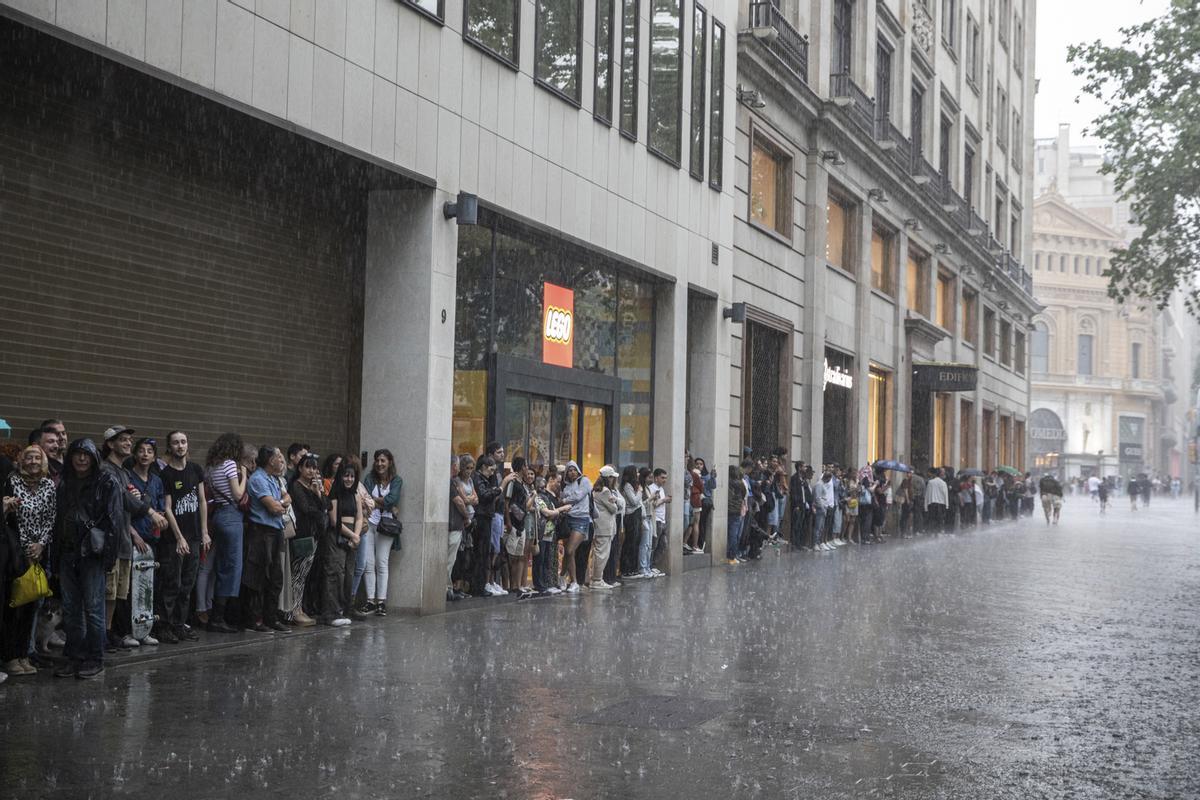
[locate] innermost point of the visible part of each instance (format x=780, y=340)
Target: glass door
x=594, y=440
x=546, y=430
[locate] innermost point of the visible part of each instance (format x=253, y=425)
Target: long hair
x=630, y=475
x=43, y=470
x=327, y=467
x=391, y=467
x=346, y=497
x=227, y=447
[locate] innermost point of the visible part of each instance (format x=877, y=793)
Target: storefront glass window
x=881, y=262
x=966, y=438
x=879, y=415
x=917, y=283
x=492, y=24
x=559, y=25
x=837, y=234
x=629, y=68
x=635, y=368
x=838, y=400
x=666, y=78
x=595, y=318
x=471, y=319
x=602, y=106
x=716, y=107
x=699, y=67
x=941, y=430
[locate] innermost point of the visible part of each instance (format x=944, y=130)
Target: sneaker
x=572, y=588
x=733, y=562
x=380, y=609
x=615, y=585
x=17, y=667
x=149, y=641
x=339, y=622
x=30, y=669
x=687, y=549
x=495, y=590
x=451, y=596
x=129, y=643
x=302, y=620
x=553, y=590
x=599, y=585
x=655, y=572
x=89, y=671
x=697, y=551
x=67, y=670
x=278, y=627
x=168, y=636
x=356, y=614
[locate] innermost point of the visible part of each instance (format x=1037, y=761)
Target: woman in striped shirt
x=225, y=483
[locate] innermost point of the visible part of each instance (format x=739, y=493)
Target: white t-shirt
x=1093, y=484
x=657, y=493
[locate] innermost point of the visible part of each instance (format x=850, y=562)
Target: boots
x=302, y=620
x=216, y=618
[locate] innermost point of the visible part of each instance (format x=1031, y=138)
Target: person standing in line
x=904, y=498
x=881, y=490
x=383, y=486
x=823, y=500
x=463, y=501
x=966, y=502
x=659, y=498
x=29, y=506
x=937, y=501
x=346, y=515
x=709, y=480
x=608, y=510
x=737, y=510
x=800, y=496
x=646, y=546
x=46, y=437
x=262, y=574
x=89, y=520
x=694, y=506
x=225, y=483
x=631, y=520
x=576, y=491
x=550, y=512
x=142, y=473
x=918, y=502
x=1052, y=497
x=488, y=521
x=515, y=489
x=179, y=554
x=295, y=454
x=311, y=507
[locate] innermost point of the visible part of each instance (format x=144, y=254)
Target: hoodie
x=578, y=494
x=97, y=498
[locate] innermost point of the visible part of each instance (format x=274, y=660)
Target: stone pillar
x=862, y=318
x=408, y=373
x=708, y=404
x=670, y=407
x=813, y=369
x=901, y=399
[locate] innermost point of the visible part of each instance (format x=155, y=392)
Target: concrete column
x=408, y=372
x=670, y=407
x=862, y=319
x=708, y=405
x=813, y=411
x=901, y=401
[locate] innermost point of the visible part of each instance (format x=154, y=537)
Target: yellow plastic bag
x=31, y=586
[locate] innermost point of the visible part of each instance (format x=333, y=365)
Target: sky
x=1065, y=22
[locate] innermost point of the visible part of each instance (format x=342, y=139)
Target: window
x=1018, y=46
x=942, y=425
x=1014, y=232
x=917, y=283
x=1019, y=444
x=972, y=54
x=1002, y=118
x=492, y=24
x=837, y=234
x=770, y=186
x=970, y=317
x=432, y=7
x=1083, y=364
x=1016, y=141
x=966, y=434
x=1039, y=348
x=989, y=332
x=969, y=175
x=946, y=147
x=883, y=79
x=603, y=102
x=883, y=275
x=665, y=108
x=1019, y=357
x=950, y=23
x=989, y=440
x=1005, y=440
x=1006, y=343
x=917, y=120
x=699, y=68
x=1076, y=262
x=842, y=47
x=559, y=46
x=1135, y=360
x=1002, y=17
x=879, y=414
x=765, y=412
x=716, y=107
x=945, y=301
x=629, y=68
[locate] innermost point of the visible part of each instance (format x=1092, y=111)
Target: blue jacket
x=154, y=496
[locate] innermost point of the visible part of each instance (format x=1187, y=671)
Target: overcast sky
x=1064, y=22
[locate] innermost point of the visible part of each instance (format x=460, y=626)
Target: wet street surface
x=1011, y=661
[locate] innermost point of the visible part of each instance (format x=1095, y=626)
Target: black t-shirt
x=183, y=487
x=515, y=496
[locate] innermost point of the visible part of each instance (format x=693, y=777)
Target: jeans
x=837, y=521
x=81, y=582
x=734, y=536
x=647, y=545
x=227, y=542
x=481, y=566
x=819, y=526
x=632, y=542
x=544, y=573
x=936, y=513
x=371, y=563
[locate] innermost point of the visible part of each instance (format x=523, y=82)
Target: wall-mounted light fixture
x=1002, y=305
x=750, y=97
x=833, y=157
x=913, y=224
x=877, y=195
x=941, y=248
x=735, y=313
x=465, y=210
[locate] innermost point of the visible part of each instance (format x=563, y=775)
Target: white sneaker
x=129, y=641
x=149, y=641
x=554, y=590
x=599, y=585
x=572, y=588
x=340, y=622
x=498, y=590
x=615, y=584
x=658, y=573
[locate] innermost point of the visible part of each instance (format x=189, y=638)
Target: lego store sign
x=558, y=325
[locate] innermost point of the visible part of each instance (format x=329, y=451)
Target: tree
x=1150, y=84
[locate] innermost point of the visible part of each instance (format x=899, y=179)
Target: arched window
x=1039, y=348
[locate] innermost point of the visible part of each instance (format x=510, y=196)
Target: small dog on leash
x=47, y=635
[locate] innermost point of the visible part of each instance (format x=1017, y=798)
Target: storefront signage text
x=945, y=377
x=1131, y=454
x=837, y=377
x=558, y=325
x=1048, y=434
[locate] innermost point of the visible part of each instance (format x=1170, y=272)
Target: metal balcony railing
x=788, y=44
x=896, y=143
x=860, y=107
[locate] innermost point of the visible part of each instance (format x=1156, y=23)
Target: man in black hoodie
x=88, y=522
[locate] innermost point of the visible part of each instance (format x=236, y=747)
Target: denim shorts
x=576, y=525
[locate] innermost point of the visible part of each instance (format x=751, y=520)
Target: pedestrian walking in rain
x=1052, y=497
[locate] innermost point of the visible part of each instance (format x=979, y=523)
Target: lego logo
x=558, y=325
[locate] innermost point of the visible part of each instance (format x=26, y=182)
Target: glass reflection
x=493, y=24
x=666, y=72
x=559, y=43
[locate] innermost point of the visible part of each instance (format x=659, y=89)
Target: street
x=1013, y=661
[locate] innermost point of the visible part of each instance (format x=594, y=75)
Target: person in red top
x=695, y=501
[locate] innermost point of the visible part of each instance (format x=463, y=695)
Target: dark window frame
x=716, y=108
x=515, y=62
x=890, y=272
x=605, y=116
x=438, y=16
x=577, y=102
x=786, y=161
x=675, y=161
x=699, y=55
x=635, y=64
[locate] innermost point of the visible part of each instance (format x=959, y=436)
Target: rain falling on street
x=1011, y=661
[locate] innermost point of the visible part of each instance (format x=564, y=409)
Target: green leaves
x=1151, y=86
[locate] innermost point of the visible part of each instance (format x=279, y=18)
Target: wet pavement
x=1014, y=661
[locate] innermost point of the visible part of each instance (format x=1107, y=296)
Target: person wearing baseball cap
x=609, y=506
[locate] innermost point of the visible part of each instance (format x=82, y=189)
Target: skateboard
x=143, y=594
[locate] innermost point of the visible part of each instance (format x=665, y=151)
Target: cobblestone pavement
x=1013, y=661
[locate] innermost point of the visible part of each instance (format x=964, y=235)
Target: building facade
x=1110, y=380
x=884, y=172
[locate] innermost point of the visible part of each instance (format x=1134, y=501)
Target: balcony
x=860, y=107
x=784, y=41
x=897, y=145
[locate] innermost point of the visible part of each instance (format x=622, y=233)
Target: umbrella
x=970, y=473
x=895, y=466
x=1009, y=471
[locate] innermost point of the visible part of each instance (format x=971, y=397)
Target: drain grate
x=658, y=712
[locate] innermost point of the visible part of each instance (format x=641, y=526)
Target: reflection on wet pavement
x=1015, y=661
